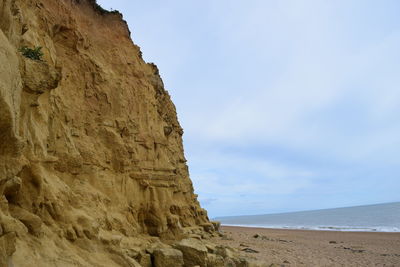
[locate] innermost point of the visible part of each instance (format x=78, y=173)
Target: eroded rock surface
x=92, y=170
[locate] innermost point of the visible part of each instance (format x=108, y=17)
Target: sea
x=369, y=218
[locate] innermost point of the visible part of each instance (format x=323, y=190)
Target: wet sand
x=314, y=248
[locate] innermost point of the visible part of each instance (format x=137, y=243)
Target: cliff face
x=91, y=155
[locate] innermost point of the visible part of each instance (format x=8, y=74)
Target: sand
x=314, y=248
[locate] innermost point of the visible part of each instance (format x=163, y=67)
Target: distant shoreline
x=327, y=229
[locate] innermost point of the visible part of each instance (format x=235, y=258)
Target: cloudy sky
x=286, y=105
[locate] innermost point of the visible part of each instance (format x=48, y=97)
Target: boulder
x=194, y=252
x=230, y=263
x=208, y=227
x=215, y=260
x=248, y=262
x=211, y=247
x=145, y=260
x=40, y=76
x=217, y=225
x=166, y=257
x=224, y=251
x=195, y=236
x=132, y=262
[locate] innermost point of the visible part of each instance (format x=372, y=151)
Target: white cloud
x=244, y=175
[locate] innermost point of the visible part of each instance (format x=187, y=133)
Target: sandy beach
x=314, y=248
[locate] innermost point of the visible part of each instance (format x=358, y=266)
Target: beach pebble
x=250, y=250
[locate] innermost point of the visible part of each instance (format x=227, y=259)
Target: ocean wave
x=324, y=228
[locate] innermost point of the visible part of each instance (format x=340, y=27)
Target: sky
x=286, y=105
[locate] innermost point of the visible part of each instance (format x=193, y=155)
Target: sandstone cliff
x=92, y=168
